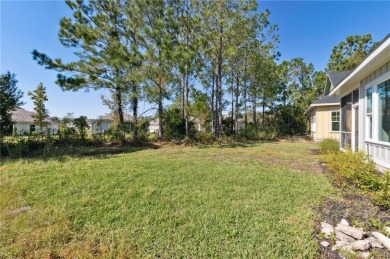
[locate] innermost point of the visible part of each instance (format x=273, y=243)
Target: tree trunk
x=245, y=91
x=118, y=96
x=232, y=119
x=186, y=101
x=186, y=71
x=263, y=115
x=213, y=108
x=254, y=108
x=219, y=85
x=160, y=114
x=134, y=103
x=237, y=92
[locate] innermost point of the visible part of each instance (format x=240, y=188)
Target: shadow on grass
x=244, y=144
x=63, y=152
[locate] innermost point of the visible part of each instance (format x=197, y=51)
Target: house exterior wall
x=153, y=129
x=323, y=123
x=24, y=128
x=379, y=151
x=21, y=127
x=100, y=126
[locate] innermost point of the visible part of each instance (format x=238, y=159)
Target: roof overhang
x=311, y=107
x=372, y=62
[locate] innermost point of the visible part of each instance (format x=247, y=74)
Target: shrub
x=206, y=138
x=382, y=196
x=115, y=134
x=355, y=168
x=329, y=146
x=20, y=148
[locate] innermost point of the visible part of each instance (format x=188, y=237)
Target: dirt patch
x=314, y=151
x=358, y=209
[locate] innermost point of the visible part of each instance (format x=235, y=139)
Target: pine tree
x=103, y=36
x=39, y=98
x=160, y=34
x=10, y=98
x=349, y=53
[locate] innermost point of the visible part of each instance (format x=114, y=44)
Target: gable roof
x=333, y=79
x=336, y=77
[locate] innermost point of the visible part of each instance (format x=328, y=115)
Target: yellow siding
x=323, y=123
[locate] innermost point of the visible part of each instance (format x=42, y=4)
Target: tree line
x=216, y=61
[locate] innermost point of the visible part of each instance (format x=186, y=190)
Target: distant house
x=104, y=123
x=154, y=126
x=23, y=123
x=324, y=114
x=324, y=117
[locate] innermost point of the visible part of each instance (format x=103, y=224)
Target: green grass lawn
x=245, y=200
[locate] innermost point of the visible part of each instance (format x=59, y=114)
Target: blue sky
x=307, y=29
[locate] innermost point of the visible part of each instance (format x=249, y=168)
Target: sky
x=307, y=29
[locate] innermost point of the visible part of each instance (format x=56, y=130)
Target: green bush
x=355, y=168
x=250, y=133
x=329, y=146
x=115, y=134
x=382, y=196
x=206, y=138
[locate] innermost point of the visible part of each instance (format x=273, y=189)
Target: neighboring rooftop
x=111, y=116
x=327, y=100
x=22, y=115
x=324, y=101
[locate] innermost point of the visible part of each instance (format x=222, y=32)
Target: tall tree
x=39, y=98
x=10, y=98
x=219, y=24
x=160, y=33
x=81, y=125
x=297, y=79
x=186, y=54
x=98, y=31
x=349, y=53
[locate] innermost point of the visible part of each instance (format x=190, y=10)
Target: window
x=369, y=112
x=384, y=111
x=313, y=123
x=335, y=121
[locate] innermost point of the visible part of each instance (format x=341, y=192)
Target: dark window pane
x=346, y=111
x=335, y=126
x=384, y=111
x=355, y=96
x=369, y=100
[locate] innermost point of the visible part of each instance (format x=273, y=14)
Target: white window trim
x=313, y=126
x=366, y=115
x=374, y=114
x=335, y=131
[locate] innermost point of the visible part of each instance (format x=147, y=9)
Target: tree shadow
x=240, y=144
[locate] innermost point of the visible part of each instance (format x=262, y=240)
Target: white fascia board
x=367, y=61
x=318, y=105
x=324, y=104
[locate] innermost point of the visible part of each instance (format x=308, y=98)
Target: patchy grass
x=243, y=200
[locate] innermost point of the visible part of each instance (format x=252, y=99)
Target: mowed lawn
x=244, y=200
